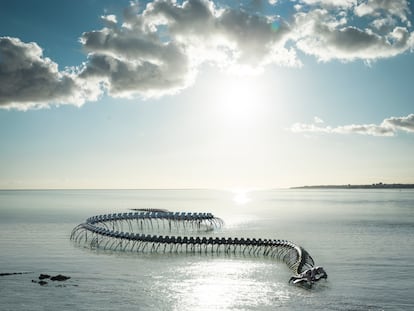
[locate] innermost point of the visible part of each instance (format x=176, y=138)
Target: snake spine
x=134, y=232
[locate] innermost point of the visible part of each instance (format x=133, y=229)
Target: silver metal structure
x=134, y=232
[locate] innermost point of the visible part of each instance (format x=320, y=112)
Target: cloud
x=130, y=65
x=388, y=127
x=328, y=37
x=331, y=3
x=235, y=35
x=317, y=120
x=30, y=80
x=405, y=124
x=398, y=8
x=159, y=49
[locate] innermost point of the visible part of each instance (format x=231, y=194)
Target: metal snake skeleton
x=131, y=232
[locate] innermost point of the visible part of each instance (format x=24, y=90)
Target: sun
x=239, y=100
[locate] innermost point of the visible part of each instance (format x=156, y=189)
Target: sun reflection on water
x=227, y=284
x=241, y=197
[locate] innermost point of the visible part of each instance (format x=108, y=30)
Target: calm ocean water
x=363, y=238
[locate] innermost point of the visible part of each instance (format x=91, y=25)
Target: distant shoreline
x=349, y=186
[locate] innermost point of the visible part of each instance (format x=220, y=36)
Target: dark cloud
x=329, y=37
x=127, y=77
x=27, y=79
x=159, y=50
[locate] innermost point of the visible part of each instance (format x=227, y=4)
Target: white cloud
x=384, y=25
x=317, y=120
x=405, y=124
x=388, y=127
x=365, y=129
x=243, y=37
x=309, y=128
x=110, y=20
x=331, y=3
x=398, y=8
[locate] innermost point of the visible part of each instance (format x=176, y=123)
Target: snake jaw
x=309, y=276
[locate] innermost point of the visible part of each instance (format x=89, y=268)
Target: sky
x=205, y=94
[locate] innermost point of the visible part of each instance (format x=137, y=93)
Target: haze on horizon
x=205, y=94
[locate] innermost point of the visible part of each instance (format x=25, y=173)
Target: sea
x=364, y=238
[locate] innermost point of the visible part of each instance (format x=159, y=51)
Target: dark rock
x=4, y=274
x=42, y=283
x=44, y=276
x=14, y=273
x=60, y=277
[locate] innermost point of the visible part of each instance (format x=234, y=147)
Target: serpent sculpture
x=131, y=232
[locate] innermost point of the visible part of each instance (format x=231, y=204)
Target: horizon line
x=146, y=189
x=230, y=189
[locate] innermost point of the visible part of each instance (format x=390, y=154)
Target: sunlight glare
x=226, y=285
x=239, y=100
x=240, y=197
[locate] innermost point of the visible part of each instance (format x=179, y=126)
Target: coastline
x=349, y=186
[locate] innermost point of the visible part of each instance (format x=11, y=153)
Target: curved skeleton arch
x=134, y=232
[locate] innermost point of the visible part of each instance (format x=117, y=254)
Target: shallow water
x=363, y=238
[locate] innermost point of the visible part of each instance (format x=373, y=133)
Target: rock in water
x=60, y=277
x=42, y=283
x=44, y=276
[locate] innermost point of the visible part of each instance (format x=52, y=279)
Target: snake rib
x=134, y=232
